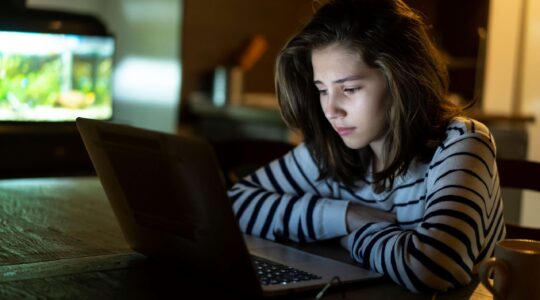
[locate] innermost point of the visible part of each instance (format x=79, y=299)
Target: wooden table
x=59, y=239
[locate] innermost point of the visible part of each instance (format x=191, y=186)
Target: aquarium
x=55, y=77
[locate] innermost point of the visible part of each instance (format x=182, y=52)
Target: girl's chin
x=352, y=144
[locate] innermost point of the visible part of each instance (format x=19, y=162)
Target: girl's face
x=352, y=96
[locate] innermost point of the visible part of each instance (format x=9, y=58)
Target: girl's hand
x=359, y=215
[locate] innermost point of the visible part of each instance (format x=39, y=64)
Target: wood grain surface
x=51, y=219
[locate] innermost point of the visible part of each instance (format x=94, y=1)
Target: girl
x=388, y=163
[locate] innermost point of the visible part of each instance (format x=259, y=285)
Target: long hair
x=389, y=36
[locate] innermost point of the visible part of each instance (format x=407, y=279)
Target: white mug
x=516, y=268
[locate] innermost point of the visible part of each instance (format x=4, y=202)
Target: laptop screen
x=146, y=177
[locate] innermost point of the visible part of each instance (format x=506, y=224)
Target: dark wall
x=455, y=26
x=214, y=31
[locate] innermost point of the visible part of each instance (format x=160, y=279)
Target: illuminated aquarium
x=55, y=77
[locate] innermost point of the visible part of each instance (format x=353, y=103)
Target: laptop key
x=270, y=272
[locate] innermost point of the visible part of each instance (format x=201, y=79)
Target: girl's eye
x=351, y=90
x=323, y=92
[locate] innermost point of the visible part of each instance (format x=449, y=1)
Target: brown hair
x=393, y=38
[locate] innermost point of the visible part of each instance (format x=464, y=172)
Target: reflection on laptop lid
x=169, y=197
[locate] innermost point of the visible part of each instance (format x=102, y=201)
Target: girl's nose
x=332, y=107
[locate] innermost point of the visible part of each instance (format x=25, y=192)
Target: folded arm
x=286, y=199
x=461, y=223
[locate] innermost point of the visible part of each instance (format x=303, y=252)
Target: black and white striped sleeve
x=286, y=199
x=461, y=223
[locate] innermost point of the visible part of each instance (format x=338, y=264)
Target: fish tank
x=55, y=77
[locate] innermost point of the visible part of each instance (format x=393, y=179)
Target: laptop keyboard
x=270, y=272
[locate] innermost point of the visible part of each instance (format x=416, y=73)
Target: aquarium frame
x=15, y=16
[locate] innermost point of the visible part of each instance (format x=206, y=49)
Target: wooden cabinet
x=236, y=121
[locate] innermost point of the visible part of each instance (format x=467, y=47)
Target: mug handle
x=486, y=268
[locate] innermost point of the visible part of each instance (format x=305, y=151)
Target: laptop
x=169, y=197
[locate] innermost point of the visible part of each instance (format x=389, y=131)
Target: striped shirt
x=449, y=211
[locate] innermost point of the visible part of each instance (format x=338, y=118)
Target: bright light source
x=139, y=79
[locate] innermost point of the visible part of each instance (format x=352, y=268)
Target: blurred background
x=205, y=67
